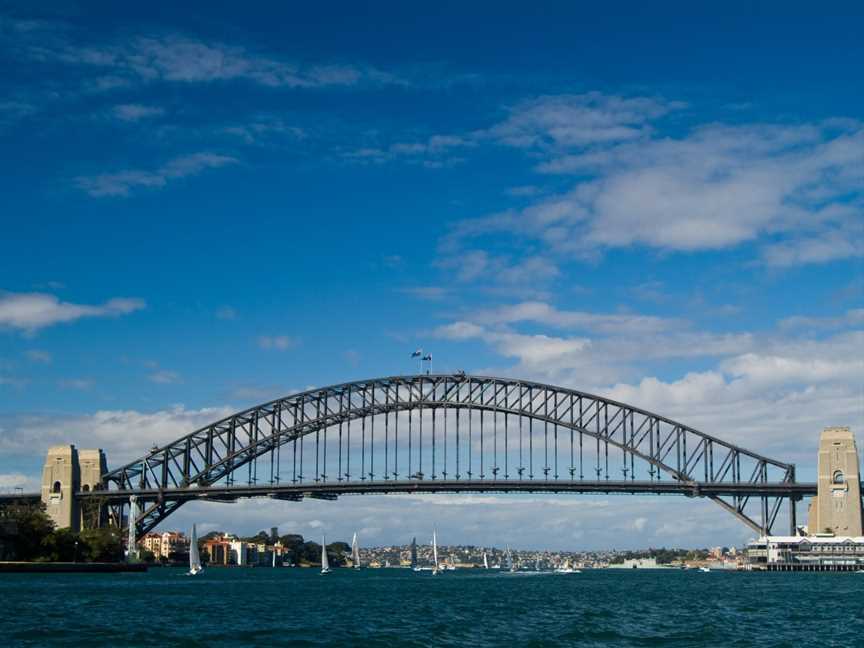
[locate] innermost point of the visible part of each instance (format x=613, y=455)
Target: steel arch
x=169, y=475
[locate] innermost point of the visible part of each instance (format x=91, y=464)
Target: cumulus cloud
x=611, y=347
x=121, y=183
x=795, y=189
x=32, y=311
x=123, y=434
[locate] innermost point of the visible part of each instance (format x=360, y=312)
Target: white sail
x=274, y=556
x=509, y=557
x=355, y=552
x=434, y=551
x=325, y=564
x=485, y=561
x=194, y=558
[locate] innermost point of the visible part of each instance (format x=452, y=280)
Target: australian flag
x=417, y=353
x=427, y=358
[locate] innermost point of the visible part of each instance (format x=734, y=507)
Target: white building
x=806, y=553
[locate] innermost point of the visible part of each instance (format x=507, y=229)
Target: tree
x=61, y=545
x=33, y=526
x=102, y=545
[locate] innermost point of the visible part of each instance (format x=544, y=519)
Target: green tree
x=61, y=545
x=102, y=545
x=33, y=526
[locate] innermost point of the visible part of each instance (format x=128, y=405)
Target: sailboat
x=274, y=558
x=485, y=561
x=325, y=564
x=509, y=560
x=567, y=569
x=435, y=567
x=537, y=564
x=414, y=565
x=194, y=559
x=355, y=552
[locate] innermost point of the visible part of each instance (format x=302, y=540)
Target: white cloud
x=276, y=342
x=121, y=183
x=164, y=377
x=33, y=311
x=40, y=357
x=10, y=482
x=181, y=59
x=579, y=120
x=543, y=313
x=136, y=112
x=426, y=293
x=263, y=128
x=80, y=384
x=851, y=318
x=795, y=189
x=123, y=434
x=436, y=151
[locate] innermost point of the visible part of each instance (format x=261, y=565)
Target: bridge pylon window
x=838, y=477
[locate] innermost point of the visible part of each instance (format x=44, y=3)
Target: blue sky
x=204, y=209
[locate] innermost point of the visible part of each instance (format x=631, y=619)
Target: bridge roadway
x=331, y=490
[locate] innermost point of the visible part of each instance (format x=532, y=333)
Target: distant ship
x=355, y=552
x=325, y=563
x=194, y=559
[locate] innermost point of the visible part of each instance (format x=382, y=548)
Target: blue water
x=298, y=607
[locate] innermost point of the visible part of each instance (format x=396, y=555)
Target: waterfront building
x=806, y=553
x=637, y=563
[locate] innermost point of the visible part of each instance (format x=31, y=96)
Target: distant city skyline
x=207, y=209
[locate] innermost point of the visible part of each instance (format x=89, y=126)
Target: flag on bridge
x=427, y=358
x=417, y=353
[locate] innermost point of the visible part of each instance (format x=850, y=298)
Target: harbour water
x=392, y=607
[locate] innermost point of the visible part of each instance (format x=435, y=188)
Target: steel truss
x=553, y=429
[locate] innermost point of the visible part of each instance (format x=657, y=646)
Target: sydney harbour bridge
x=453, y=433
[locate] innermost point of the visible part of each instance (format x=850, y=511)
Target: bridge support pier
x=66, y=472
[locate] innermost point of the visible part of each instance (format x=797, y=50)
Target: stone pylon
x=836, y=509
x=66, y=472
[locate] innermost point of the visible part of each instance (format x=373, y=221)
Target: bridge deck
x=334, y=489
